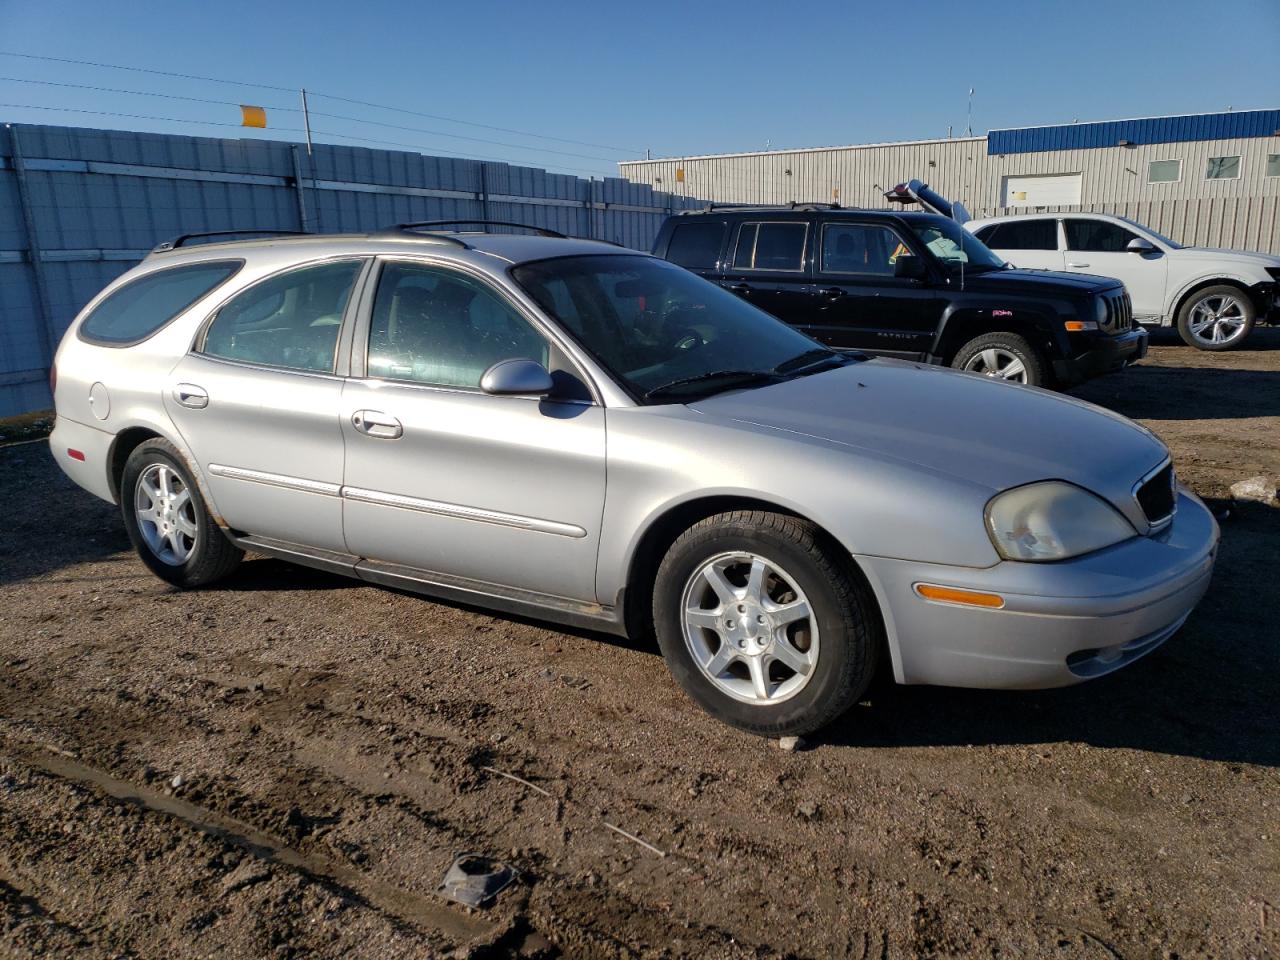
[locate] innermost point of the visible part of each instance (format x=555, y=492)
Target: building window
x=1223, y=168
x=1164, y=171
x=1273, y=165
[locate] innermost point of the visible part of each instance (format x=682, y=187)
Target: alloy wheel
x=750, y=628
x=1218, y=319
x=999, y=364
x=165, y=513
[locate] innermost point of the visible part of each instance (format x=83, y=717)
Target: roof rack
x=180, y=241
x=418, y=224
x=735, y=208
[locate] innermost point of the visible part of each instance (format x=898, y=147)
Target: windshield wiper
x=729, y=378
x=814, y=358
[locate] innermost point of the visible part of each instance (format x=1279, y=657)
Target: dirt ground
x=286, y=765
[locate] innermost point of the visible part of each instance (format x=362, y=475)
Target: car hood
x=1032, y=282
x=959, y=425
x=1220, y=254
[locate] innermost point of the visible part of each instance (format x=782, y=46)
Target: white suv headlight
x=1053, y=520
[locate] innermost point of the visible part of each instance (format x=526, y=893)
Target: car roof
x=1047, y=215
x=510, y=247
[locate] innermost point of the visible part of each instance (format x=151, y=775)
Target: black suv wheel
x=1003, y=356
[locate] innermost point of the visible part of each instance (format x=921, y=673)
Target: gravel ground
x=287, y=764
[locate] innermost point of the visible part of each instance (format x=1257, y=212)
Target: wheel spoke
x=788, y=613
x=721, y=659
x=759, y=678
x=185, y=524
x=166, y=488
x=789, y=656
x=720, y=584
x=707, y=619
x=1197, y=326
x=149, y=514
x=149, y=488
x=755, y=580
x=1014, y=371
x=990, y=359
x=181, y=498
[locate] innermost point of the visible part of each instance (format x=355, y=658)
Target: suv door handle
x=738, y=288
x=832, y=293
x=1070, y=264
x=189, y=395
x=378, y=425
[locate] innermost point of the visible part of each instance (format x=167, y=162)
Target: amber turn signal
x=972, y=598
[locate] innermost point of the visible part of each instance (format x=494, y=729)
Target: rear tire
x=167, y=521
x=763, y=624
x=1003, y=356
x=1216, y=318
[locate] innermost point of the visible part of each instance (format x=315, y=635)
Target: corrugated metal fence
x=78, y=207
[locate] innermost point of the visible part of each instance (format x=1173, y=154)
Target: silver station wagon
x=575, y=431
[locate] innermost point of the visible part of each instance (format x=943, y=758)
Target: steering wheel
x=688, y=339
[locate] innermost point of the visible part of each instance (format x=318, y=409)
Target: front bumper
x=1102, y=355
x=1062, y=623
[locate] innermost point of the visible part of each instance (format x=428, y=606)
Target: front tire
x=1003, y=356
x=167, y=521
x=763, y=625
x=1216, y=318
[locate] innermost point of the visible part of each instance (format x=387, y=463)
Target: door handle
x=381, y=426
x=1070, y=264
x=189, y=395
x=832, y=293
x=739, y=288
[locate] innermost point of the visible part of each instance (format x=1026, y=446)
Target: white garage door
x=1056, y=189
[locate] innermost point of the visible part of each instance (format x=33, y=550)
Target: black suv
x=911, y=285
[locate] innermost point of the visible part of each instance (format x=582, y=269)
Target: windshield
x=954, y=245
x=665, y=333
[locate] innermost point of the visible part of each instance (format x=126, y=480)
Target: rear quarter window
x=141, y=307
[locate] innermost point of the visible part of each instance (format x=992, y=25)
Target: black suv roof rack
x=180, y=241
x=737, y=208
x=419, y=224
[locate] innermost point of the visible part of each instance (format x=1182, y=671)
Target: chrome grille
x=1156, y=495
x=1119, y=316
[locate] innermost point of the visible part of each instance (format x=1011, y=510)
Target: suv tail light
x=53, y=378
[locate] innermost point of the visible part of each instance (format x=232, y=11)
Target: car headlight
x=1053, y=520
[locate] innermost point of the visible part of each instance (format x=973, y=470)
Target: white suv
x=1214, y=296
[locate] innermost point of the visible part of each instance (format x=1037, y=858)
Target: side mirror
x=1139, y=245
x=909, y=268
x=517, y=378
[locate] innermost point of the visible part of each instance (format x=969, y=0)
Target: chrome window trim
x=541, y=325
x=804, y=248
x=276, y=480
x=460, y=512
x=198, y=341
x=1160, y=524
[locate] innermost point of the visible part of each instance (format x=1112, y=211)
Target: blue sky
x=679, y=78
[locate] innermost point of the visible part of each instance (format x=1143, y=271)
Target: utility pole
x=306, y=119
x=968, y=127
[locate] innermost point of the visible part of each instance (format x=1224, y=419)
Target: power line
x=314, y=113
x=329, y=96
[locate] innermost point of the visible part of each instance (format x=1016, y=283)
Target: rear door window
x=771, y=246
x=1021, y=235
x=1100, y=236
x=696, y=246
x=290, y=320
x=141, y=307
